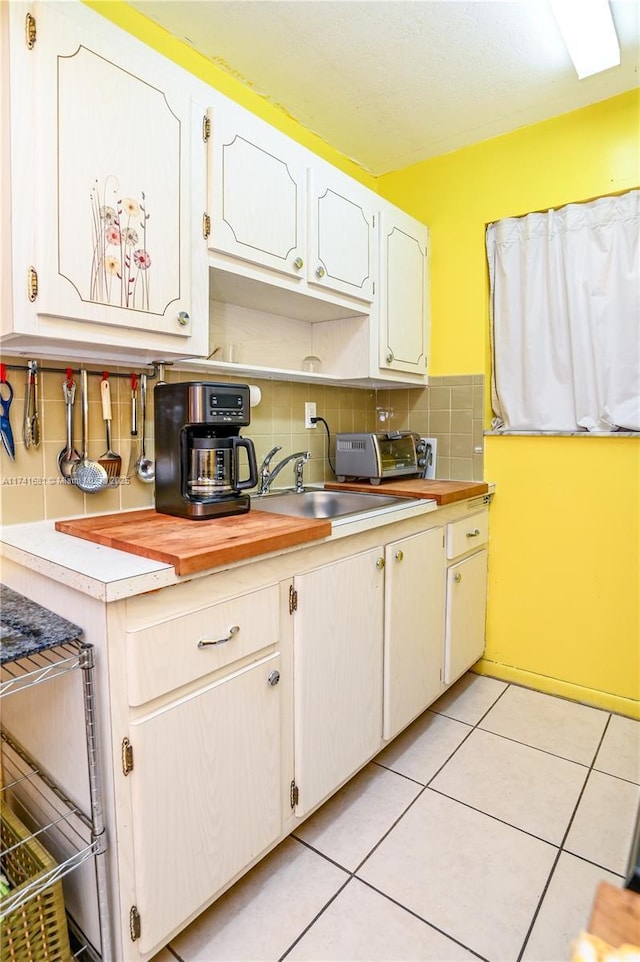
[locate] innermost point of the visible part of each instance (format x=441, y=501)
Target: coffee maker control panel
x=228, y=408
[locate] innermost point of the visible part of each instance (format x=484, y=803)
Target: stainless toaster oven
x=381, y=455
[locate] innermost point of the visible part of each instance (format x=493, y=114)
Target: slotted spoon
x=87, y=475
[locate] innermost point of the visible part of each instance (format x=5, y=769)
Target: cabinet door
x=466, y=609
x=256, y=192
x=206, y=794
x=414, y=627
x=338, y=673
x=403, y=293
x=341, y=234
x=115, y=178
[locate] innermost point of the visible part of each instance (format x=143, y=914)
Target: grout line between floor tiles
x=561, y=847
x=315, y=919
x=420, y=918
x=173, y=952
x=494, y=818
x=535, y=748
x=317, y=851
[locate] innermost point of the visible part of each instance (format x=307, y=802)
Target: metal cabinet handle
x=390, y=357
x=457, y=577
x=233, y=631
x=473, y=534
x=273, y=678
x=320, y=271
x=380, y=564
x=399, y=555
x=298, y=263
x=183, y=318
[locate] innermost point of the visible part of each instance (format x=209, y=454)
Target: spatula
x=110, y=461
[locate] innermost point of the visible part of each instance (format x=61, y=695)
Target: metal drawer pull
x=233, y=631
x=473, y=534
x=457, y=577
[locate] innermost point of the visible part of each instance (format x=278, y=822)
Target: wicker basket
x=38, y=930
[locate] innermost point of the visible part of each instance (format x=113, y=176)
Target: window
x=565, y=317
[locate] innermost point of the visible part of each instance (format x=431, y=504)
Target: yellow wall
x=564, y=610
x=179, y=52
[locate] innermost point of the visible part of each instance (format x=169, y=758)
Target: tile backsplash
x=449, y=409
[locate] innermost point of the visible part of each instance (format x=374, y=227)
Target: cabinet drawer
x=164, y=656
x=467, y=534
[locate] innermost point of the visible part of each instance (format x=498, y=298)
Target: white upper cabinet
x=341, y=234
x=256, y=195
x=404, y=304
x=106, y=143
x=274, y=205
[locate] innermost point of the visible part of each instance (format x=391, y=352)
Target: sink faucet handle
x=267, y=459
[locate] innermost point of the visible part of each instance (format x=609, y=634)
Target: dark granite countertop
x=27, y=628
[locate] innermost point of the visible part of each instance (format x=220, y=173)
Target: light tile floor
x=480, y=832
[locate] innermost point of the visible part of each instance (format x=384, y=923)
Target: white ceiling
x=392, y=82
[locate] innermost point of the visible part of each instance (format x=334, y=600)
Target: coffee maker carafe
x=198, y=449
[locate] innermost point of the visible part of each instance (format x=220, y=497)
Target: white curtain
x=565, y=305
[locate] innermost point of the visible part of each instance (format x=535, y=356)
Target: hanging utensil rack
x=157, y=370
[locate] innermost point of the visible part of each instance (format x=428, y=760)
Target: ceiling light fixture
x=588, y=31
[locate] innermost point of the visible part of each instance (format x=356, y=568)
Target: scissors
x=6, y=434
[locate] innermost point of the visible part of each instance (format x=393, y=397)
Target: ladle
x=145, y=467
x=68, y=456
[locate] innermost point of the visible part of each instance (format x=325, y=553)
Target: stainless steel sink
x=323, y=504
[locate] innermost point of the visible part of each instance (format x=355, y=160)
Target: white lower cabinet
x=466, y=594
x=205, y=791
x=414, y=627
x=338, y=673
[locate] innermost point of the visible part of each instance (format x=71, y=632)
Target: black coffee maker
x=197, y=449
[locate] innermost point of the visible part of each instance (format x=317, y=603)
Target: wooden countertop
x=615, y=916
x=192, y=546
x=443, y=492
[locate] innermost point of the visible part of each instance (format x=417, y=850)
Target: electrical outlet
x=309, y=412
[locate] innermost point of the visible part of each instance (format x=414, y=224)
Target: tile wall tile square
x=602, y=829
x=462, y=422
x=474, y=878
x=461, y=446
x=462, y=397
x=553, y=724
x=461, y=469
x=470, y=698
x=363, y=926
x=440, y=399
x=260, y=917
x=522, y=786
x=422, y=748
x=619, y=753
x=350, y=824
x=478, y=400
x=566, y=909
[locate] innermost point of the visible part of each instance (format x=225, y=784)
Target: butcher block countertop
x=443, y=492
x=192, y=546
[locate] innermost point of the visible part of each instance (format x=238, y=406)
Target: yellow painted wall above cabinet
x=574, y=157
x=174, y=49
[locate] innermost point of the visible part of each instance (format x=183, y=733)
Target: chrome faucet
x=267, y=477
